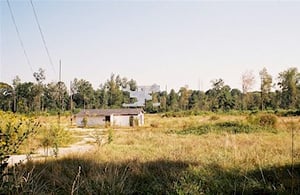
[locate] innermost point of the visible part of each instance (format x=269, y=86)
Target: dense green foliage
x=14, y=130
x=54, y=96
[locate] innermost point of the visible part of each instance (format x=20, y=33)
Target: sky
x=170, y=43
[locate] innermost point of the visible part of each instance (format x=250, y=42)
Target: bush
x=263, y=120
x=269, y=120
x=14, y=130
x=214, y=118
x=184, y=113
x=54, y=137
x=229, y=127
x=287, y=112
x=84, y=122
x=110, y=135
x=154, y=124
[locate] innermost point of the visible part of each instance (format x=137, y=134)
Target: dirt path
x=87, y=142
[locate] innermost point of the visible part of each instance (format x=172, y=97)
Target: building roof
x=108, y=112
x=142, y=93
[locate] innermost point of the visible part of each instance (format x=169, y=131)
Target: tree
x=225, y=100
x=25, y=94
x=211, y=99
x=236, y=95
x=275, y=99
x=172, y=100
x=203, y=101
x=113, y=90
x=213, y=94
x=6, y=96
x=220, y=96
x=124, y=82
x=40, y=78
x=83, y=93
x=184, y=95
x=194, y=100
x=16, y=81
x=51, y=96
x=132, y=85
x=55, y=96
x=265, y=87
x=14, y=130
x=40, y=75
x=254, y=100
x=64, y=95
x=289, y=81
x=217, y=84
x=163, y=101
x=155, y=100
x=248, y=81
x=102, y=97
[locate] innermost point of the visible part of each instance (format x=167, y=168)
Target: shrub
x=229, y=127
x=184, y=113
x=214, y=118
x=14, y=130
x=98, y=136
x=110, y=135
x=154, y=124
x=263, y=120
x=287, y=112
x=269, y=120
x=54, y=137
x=84, y=122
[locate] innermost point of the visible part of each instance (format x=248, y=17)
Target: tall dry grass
x=152, y=160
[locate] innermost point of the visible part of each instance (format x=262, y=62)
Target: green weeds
x=14, y=130
x=225, y=127
x=54, y=137
x=110, y=135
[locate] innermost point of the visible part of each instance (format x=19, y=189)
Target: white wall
x=91, y=121
x=125, y=120
x=141, y=119
x=121, y=120
x=115, y=120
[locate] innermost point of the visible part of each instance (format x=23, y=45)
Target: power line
x=19, y=36
x=42, y=36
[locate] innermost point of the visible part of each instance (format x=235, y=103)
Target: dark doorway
x=107, y=121
x=131, y=121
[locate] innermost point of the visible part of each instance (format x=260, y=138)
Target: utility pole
x=60, y=99
x=166, y=98
x=71, y=102
x=61, y=92
x=262, y=79
x=15, y=101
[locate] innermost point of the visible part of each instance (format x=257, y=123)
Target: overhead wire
x=42, y=36
x=19, y=36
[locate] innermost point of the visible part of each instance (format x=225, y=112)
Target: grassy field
x=206, y=154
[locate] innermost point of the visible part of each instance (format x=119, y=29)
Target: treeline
x=40, y=96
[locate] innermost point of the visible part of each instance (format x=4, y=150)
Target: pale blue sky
x=173, y=43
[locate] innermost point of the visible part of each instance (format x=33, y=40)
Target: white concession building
x=112, y=117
